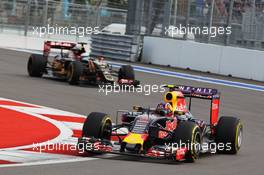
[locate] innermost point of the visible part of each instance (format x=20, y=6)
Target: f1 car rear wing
x=48, y=45
x=198, y=92
x=59, y=45
x=201, y=93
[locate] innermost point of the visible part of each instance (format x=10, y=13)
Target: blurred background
x=246, y=17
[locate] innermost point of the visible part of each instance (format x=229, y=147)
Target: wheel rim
x=107, y=130
x=69, y=73
x=196, y=144
x=239, y=137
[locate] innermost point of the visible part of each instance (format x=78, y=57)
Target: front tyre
x=126, y=72
x=187, y=134
x=97, y=125
x=229, y=133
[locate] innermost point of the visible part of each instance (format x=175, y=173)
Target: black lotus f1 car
x=74, y=65
x=169, y=131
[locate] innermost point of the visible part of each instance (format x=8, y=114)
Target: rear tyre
x=74, y=72
x=36, y=65
x=97, y=125
x=188, y=134
x=126, y=72
x=229, y=133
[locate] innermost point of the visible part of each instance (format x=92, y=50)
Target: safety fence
x=245, y=17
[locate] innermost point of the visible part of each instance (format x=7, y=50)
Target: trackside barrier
x=238, y=62
x=21, y=42
x=224, y=60
x=114, y=46
x=34, y=43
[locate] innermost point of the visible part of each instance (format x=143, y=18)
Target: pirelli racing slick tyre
x=188, y=134
x=97, y=125
x=229, y=133
x=126, y=72
x=74, y=72
x=36, y=65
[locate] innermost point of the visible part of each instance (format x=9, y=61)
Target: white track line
x=48, y=111
x=64, y=134
x=73, y=125
x=30, y=158
x=49, y=162
x=43, y=107
x=70, y=141
x=21, y=156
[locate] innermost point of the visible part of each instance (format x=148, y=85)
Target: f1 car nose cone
x=19, y=129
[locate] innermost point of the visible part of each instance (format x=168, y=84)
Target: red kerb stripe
x=65, y=118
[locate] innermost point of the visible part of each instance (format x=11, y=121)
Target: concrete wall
x=32, y=43
x=238, y=62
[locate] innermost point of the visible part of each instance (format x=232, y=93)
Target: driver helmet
x=181, y=107
x=164, y=109
x=77, y=49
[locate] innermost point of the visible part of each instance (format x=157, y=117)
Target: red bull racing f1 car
x=74, y=65
x=168, y=131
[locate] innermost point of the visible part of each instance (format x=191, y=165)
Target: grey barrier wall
x=224, y=60
x=120, y=47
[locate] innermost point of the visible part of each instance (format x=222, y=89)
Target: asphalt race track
x=247, y=104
